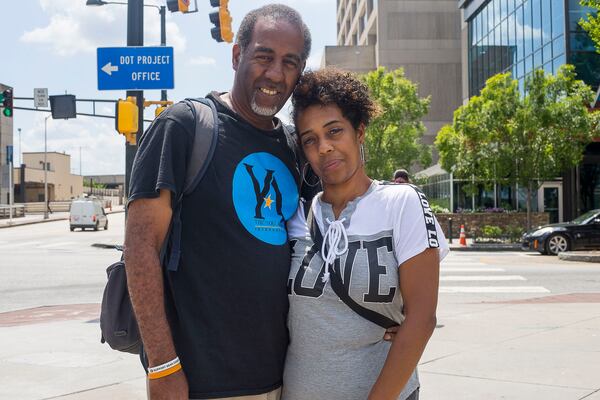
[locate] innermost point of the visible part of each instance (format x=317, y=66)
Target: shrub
x=439, y=209
x=492, y=231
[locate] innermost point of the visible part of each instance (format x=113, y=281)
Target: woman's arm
x=419, y=281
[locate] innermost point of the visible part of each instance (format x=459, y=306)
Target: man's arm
x=419, y=281
x=147, y=226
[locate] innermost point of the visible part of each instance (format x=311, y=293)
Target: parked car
x=87, y=213
x=581, y=233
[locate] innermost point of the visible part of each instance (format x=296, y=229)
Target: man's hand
x=172, y=387
x=390, y=333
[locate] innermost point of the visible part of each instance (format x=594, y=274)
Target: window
x=558, y=46
x=527, y=28
x=558, y=18
x=536, y=13
x=546, y=22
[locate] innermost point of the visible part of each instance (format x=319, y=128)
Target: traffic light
x=126, y=118
x=222, y=21
x=7, y=103
x=159, y=110
x=178, y=5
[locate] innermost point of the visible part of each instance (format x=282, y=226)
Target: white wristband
x=162, y=367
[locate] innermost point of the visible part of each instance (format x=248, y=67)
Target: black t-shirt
x=227, y=302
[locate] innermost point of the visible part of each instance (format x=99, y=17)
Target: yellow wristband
x=165, y=372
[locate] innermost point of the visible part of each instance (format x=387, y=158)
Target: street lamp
x=20, y=150
x=46, y=203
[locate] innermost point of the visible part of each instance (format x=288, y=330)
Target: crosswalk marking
x=463, y=278
x=493, y=289
x=21, y=244
x=468, y=269
x=49, y=246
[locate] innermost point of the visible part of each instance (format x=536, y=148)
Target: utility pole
x=163, y=41
x=135, y=37
x=20, y=149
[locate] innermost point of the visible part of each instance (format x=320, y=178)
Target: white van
x=87, y=213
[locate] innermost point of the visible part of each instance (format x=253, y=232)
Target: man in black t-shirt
x=223, y=313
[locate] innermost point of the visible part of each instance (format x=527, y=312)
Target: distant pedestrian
x=401, y=176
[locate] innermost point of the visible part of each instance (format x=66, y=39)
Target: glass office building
x=519, y=36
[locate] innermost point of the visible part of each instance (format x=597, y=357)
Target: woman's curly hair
x=331, y=85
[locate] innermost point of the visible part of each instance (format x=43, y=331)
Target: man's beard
x=263, y=111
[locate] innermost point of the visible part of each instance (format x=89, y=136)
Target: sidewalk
x=29, y=219
x=512, y=350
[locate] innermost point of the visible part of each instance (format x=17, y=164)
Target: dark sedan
x=581, y=233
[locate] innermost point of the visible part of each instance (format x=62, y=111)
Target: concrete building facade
x=62, y=184
x=421, y=36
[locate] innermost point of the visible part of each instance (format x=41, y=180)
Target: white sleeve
x=415, y=227
x=296, y=226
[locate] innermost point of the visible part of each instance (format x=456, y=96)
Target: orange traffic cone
x=463, y=238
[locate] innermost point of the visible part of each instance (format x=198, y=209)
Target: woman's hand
x=390, y=333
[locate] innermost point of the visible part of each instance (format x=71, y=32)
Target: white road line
x=49, y=246
x=493, y=289
x=463, y=278
x=467, y=269
x=19, y=244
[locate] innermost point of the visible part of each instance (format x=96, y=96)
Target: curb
x=579, y=256
x=43, y=221
x=483, y=247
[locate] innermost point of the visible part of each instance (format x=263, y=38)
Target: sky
x=52, y=44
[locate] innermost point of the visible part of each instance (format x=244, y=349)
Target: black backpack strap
x=338, y=286
x=206, y=133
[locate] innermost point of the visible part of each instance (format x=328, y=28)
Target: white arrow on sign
x=109, y=68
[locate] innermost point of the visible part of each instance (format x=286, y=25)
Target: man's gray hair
x=274, y=12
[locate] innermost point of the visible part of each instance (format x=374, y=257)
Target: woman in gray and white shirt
x=383, y=239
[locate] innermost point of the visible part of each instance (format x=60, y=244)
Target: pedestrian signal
x=222, y=20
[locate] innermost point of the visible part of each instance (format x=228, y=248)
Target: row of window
x=363, y=19
x=519, y=36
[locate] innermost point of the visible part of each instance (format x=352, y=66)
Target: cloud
x=102, y=149
x=75, y=28
x=201, y=60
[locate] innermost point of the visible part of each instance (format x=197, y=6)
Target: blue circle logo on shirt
x=265, y=196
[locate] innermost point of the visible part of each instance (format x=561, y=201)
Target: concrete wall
x=360, y=59
x=424, y=37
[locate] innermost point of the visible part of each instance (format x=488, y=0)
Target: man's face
x=268, y=69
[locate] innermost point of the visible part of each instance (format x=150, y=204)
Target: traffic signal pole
x=163, y=40
x=135, y=37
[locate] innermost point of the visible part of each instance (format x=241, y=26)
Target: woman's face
x=330, y=143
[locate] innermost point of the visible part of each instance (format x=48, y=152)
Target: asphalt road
x=46, y=264
x=510, y=325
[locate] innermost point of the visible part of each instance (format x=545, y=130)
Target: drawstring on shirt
x=330, y=250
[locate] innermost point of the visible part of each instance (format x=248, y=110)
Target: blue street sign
x=9, y=154
x=135, y=68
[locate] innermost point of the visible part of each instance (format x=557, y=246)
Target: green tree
x=592, y=23
x=503, y=136
x=393, y=138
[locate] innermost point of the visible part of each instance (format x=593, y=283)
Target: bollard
x=450, y=230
